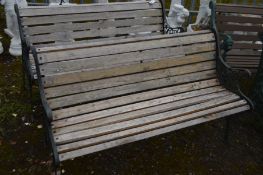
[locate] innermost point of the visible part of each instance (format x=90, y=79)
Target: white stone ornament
x=12, y=25
x=203, y=16
x=177, y=14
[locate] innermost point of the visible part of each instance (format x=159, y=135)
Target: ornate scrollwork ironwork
x=228, y=76
x=170, y=30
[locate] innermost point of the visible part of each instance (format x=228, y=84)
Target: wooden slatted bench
x=243, y=23
x=43, y=26
x=108, y=93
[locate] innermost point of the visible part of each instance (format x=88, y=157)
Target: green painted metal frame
x=228, y=76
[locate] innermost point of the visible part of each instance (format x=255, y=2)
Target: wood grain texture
x=241, y=9
x=33, y=11
x=133, y=135
x=128, y=99
x=98, y=131
x=118, y=115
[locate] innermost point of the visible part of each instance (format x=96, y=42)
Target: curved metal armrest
x=237, y=70
x=248, y=72
x=236, y=73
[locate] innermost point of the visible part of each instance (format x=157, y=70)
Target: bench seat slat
x=132, y=135
x=124, y=113
x=141, y=117
x=129, y=99
x=94, y=132
x=62, y=122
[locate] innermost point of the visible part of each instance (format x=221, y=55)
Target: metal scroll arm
x=226, y=46
x=258, y=88
x=228, y=76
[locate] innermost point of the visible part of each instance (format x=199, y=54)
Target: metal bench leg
x=30, y=90
x=57, y=171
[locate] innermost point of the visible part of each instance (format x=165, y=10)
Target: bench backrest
x=102, y=70
x=242, y=23
x=66, y=24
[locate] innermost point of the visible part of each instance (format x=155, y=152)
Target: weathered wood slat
x=239, y=19
x=64, y=27
x=90, y=17
x=131, y=88
x=86, y=8
x=132, y=135
x=106, y=119
x=74, y=77
x=249, y=62
x=256, y=10
x=109, y=61
x=126, y=79
x=238, y=27
x=123, y=47
x=247, y=46
x=244, y=65
x=95, y=33
x=61, y=122
x=243, y=58
x=250, y=38
x=98, y=131
x=79, y=45
x=124, y=100
x=244, y=52
x=53, y=46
